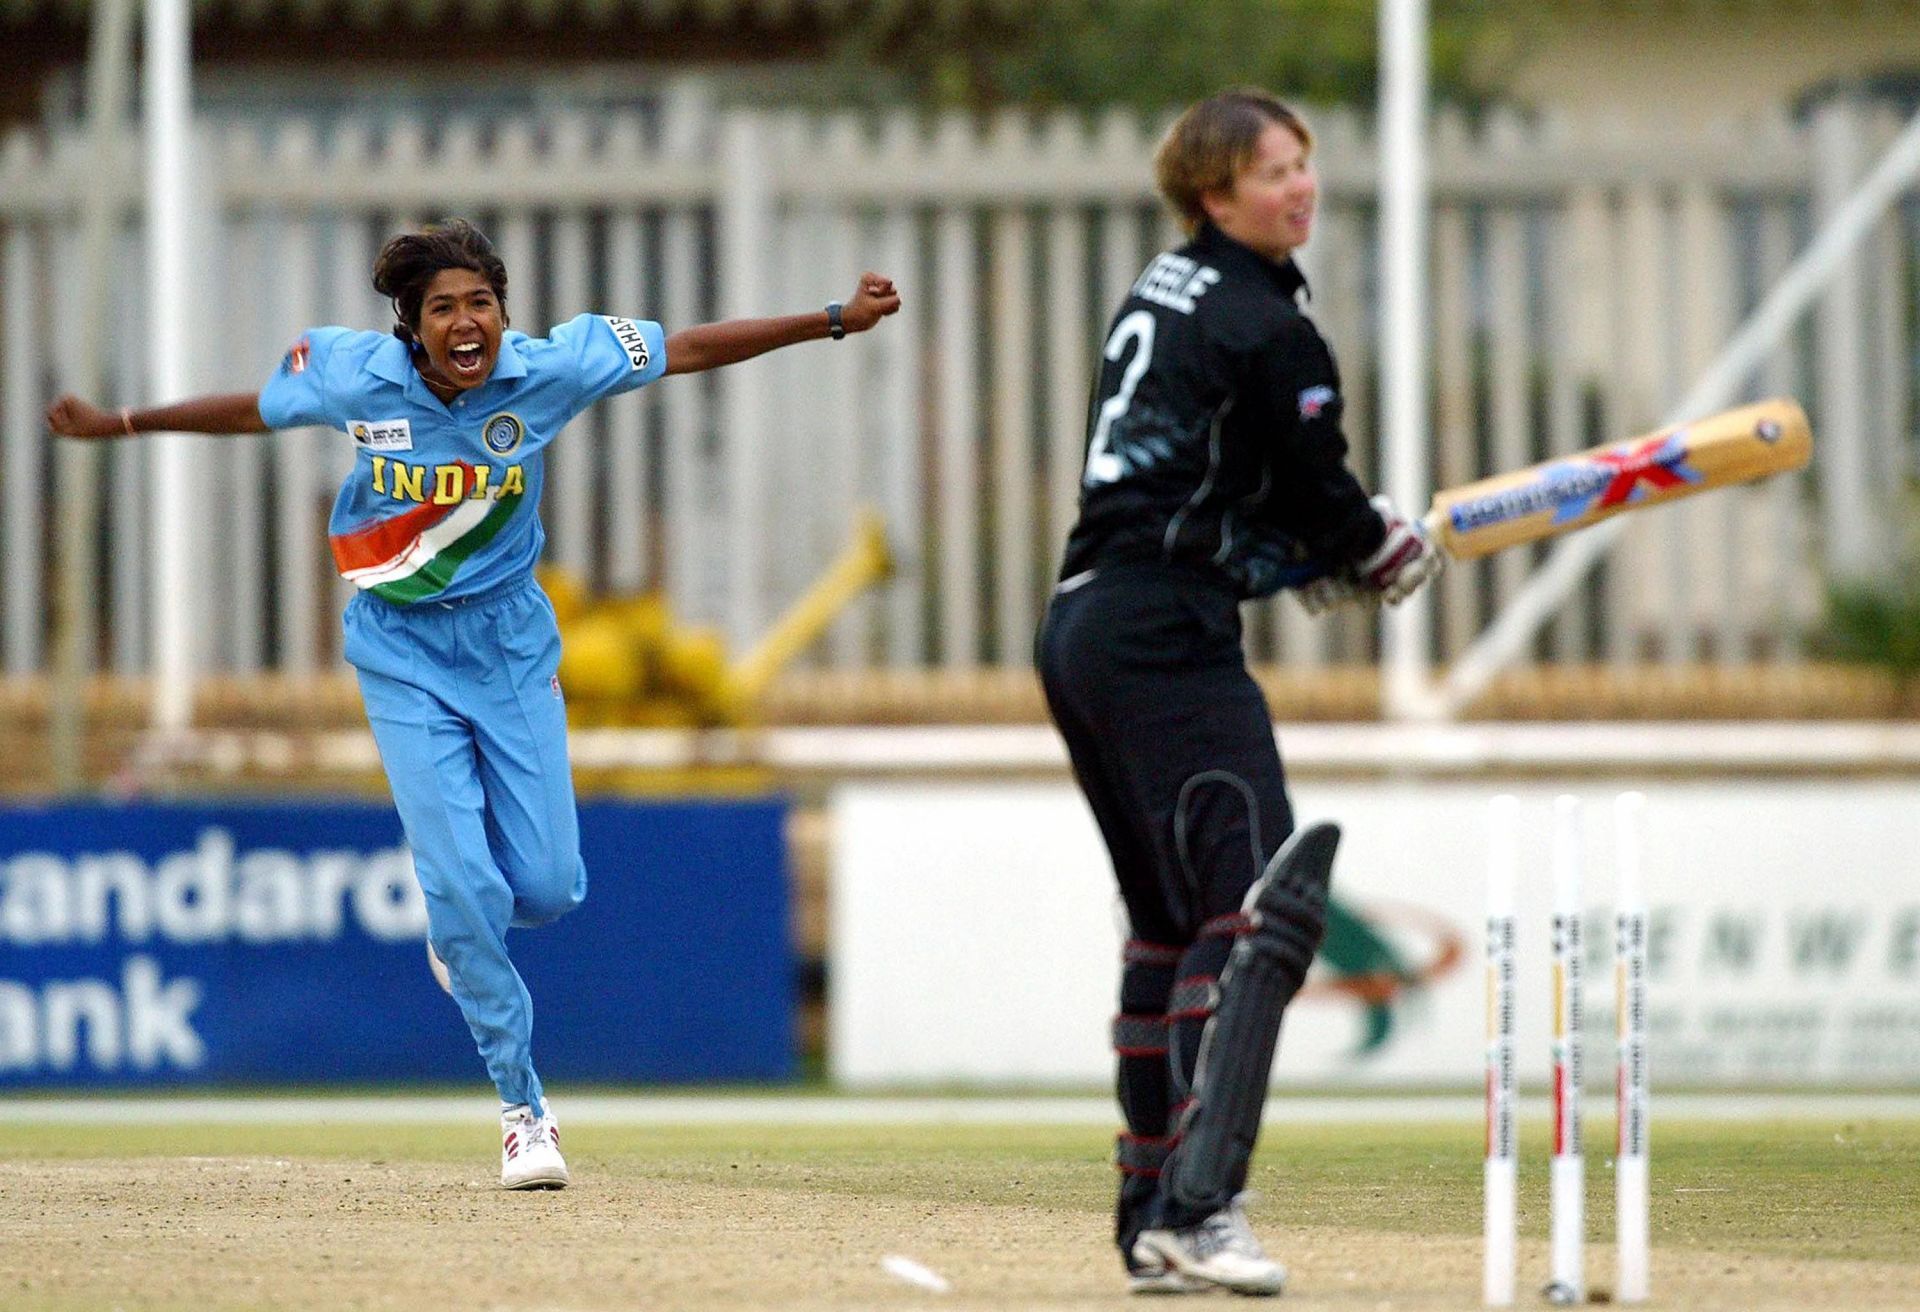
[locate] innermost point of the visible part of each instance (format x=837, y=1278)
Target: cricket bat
x=1574, y=492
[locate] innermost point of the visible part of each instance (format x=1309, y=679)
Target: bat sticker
x=1568, y=492
x=1574, y=487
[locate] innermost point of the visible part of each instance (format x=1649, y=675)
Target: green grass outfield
x=1814, y=1188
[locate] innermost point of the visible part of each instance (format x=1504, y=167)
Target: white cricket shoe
x=530, y=1150
x=1158, y=1278
x=439, y=969
x=1221, y=1250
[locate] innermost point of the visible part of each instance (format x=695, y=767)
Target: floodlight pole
x=168, y=92
x=1406, y=629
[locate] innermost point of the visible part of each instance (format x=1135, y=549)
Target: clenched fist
x=873, y=300
x=71, y=417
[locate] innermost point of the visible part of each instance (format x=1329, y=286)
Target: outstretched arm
x=711, y=345
x=234, y=412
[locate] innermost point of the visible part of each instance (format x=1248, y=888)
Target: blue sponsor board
x=233, y=943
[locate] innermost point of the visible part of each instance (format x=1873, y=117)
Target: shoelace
x=1227, y=1231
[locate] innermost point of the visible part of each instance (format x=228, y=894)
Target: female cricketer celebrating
x=1216, y=471
x=455, y=644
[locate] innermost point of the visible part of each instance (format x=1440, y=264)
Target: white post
x=1851, y=521
x=1501, y=1216
x=744, y=239
x=686, y=132
x=899, y=411
x=1631, y=1189
x=77, y=467
x=957, y=441
x=1403, y=327
x=168, y=95
x=23, y=448
x=1567, y=1209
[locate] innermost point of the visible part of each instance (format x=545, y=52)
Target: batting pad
x=1287, y=909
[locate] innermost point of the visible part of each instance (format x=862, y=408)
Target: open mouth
x=467, y=359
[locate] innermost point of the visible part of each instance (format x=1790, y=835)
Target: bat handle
x=1431, y=523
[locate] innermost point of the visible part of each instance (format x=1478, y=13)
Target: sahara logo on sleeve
x=627, y=332
x=381, y=434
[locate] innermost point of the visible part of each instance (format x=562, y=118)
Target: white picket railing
x=1579, y=284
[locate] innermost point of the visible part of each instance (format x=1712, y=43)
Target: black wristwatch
x=836, y=328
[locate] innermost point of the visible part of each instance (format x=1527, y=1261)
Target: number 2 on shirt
x=1103, y=466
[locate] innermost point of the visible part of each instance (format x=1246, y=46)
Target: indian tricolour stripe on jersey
x=416, y=553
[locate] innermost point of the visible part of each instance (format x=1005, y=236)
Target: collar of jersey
x=1286, y=275
x=393, y=361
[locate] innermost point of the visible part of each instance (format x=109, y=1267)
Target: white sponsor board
x=975, y=934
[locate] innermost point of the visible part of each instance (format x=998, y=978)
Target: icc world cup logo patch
x=503, y=433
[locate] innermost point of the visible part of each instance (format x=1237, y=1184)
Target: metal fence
x=1579, y=283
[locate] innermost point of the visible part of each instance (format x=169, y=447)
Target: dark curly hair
x=407, y=263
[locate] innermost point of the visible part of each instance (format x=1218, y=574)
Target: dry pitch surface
x=1822, y=1214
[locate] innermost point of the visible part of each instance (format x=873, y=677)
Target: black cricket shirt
x=1214, y=435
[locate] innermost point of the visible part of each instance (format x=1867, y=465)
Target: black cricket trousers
x=1170, y=738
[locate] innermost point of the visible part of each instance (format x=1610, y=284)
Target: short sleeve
x=295, y=396
x=612, y=355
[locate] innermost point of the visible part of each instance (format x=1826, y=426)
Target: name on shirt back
x=1175, y=282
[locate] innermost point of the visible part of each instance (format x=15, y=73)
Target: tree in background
x=1148, y=54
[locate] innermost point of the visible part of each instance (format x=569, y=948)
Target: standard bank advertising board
x=285, y=944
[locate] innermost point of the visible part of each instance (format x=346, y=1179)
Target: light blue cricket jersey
x=443, y=501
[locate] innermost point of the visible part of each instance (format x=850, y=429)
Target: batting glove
x=1333, y=590
x=1405, y=559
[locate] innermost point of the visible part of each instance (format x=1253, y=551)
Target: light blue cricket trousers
x=464, y=701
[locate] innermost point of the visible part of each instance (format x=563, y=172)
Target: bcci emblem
x=503, y=433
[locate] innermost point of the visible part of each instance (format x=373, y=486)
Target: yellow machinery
x=626, y=661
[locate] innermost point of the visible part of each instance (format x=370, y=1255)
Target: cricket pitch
x=796, y=1218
